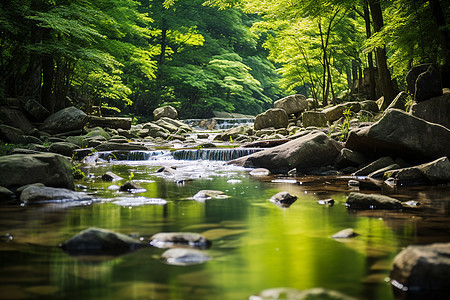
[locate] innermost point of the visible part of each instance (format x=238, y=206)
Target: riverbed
x=256, y=245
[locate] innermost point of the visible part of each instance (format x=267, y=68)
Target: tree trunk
x=48, y=72
x=438, y=15
x=162, y=55
x=387, y=86
x=372, y=87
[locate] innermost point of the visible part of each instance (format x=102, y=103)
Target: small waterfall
x=213, y=154
x=133, y=155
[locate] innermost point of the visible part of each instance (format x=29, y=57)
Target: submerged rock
x=371, y=201
x=283, y=199
x=132, y=187
x=260, y=172
x=283, y=293
x=100, y=241
x=179, y=239
x=39, y=193
x=184, y=257
x=345, y=234
x=110, y=176
x=138, y=201
x=204, y=195
x=48, y=168
x=422, y=269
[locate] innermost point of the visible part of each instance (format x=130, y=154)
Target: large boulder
x=173, y=126
x=274, y=117
x=110, y=122
x=314, y=119
x=400, y=101
x=309, y=151
x=435, y=172
x=11, y=134
x=165, y=111
x=435, y=110
x=156, y=130
x=100, y=241
x=40, y=193
x=371, y=201
x=422, y=269
x=336, y=112
x=370, y=105
x=65, y=120
x=63, y=148
x=292, y=104
x=428, y=84
x=399, y=133
x=50, y=169
x=412, y=75
x=15, y=118
x=36, y=110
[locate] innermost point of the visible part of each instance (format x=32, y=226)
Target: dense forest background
x=131, y=56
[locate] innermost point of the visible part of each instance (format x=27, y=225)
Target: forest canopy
x=130, y=57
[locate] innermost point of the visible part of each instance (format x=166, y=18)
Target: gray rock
x=179, y=239
x=349, y=158
x=204, y=195
x=50, y=169
x=314, y=119
x=234, y=133
x=428, y=84
x=110, y=176
x=110, y=122
x=184, y=257
x=36, y=110
x=412, y=75
x=156, y=130
x=100, y=241
x=292, y=104
x=109, y=146
x=328, y=202
x=294, y=294
x=12, y=135
x=374, y=166
x=15, y=118
x=422, y=269
x=274, y=117
x=370, y=105
x=132, y=187
x=414, y=139
x=435, y=172
x=98, y=132
x=34, y=193
x=65, y=120
x=435, y=110
x=173, y=126
x=345, y=234
x=63, y=148
x=400, y=101
x=311, y=150
x=336, y=112
x=283, y=199
x=362, y=201
x=80, y=154
x=165, y=111
x=5, y=194
x=378, y=174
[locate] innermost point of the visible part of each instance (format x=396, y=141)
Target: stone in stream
x=283, y=199
x=184, y=256
x=138, y=201
x=110, y=176
x=329, y=202
x=204, y=195
x=179, y=239
x=48, y=168
x=283, y=293
x=422, y=272
x=362, y=201
x=100, y=241
x=132, y=187
x=5, y=194
x=260, y=172
x=345, y=234
x=39, y=193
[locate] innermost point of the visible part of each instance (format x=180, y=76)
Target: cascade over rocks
x=65, y=120
x=415, y=138
x=311, y=150
x=274, y=117
x=52, y=170
x=292, y=104
x=165, y=111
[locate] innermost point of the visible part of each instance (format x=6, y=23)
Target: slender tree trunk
x=438, y=15
x=372, y=87
x=387, y=86
x=48, y=74
x=162, y=55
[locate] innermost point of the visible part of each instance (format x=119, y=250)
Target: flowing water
x=256, y=245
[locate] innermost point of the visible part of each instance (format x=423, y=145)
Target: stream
x=256, y=245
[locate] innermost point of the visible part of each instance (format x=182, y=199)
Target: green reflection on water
x=256, y=245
